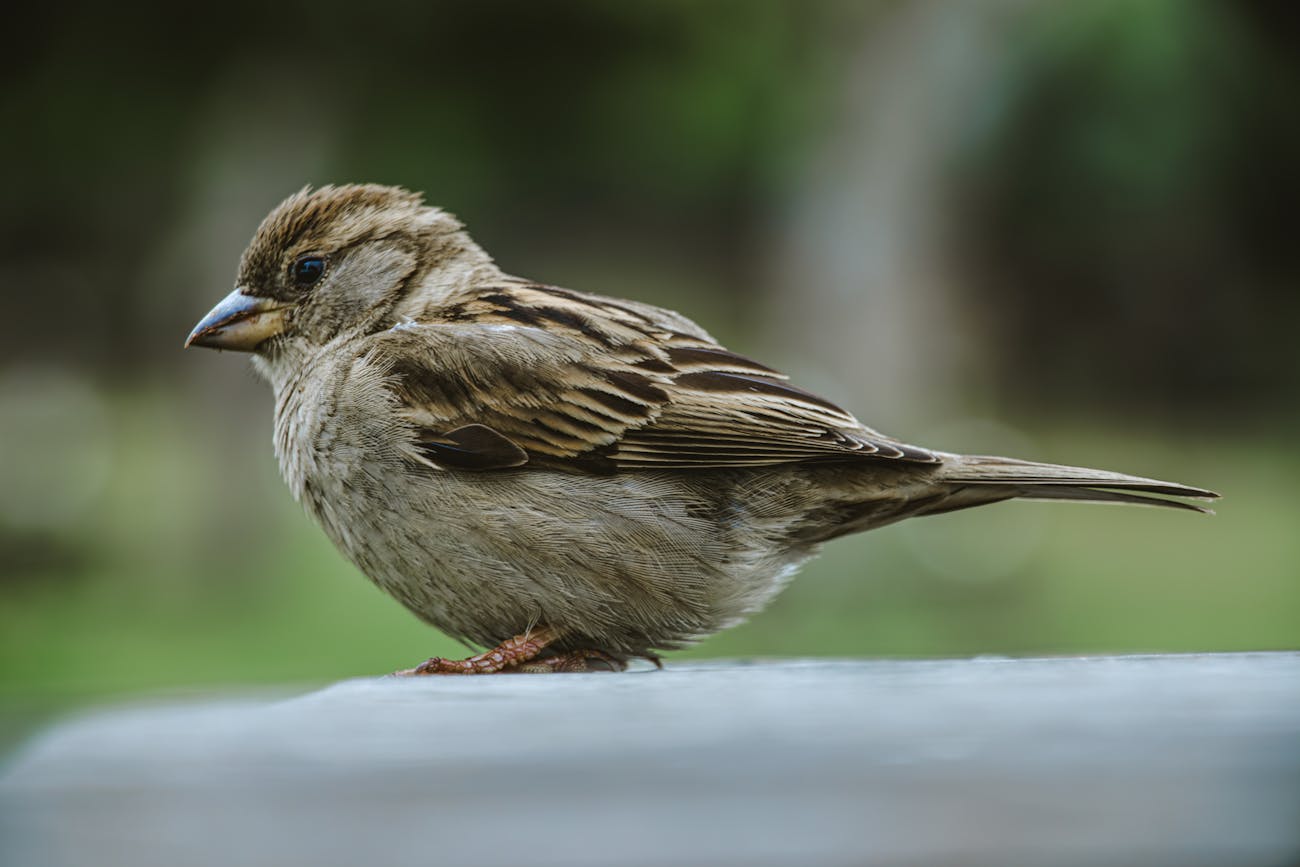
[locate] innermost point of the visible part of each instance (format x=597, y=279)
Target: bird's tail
x=993, y=478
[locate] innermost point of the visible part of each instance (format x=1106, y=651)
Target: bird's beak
x=239, y=322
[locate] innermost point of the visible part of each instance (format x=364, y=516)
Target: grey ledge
x=1135, y=760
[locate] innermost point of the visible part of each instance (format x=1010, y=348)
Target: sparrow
x=567, y=479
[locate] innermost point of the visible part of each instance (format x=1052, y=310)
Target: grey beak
x=239, y=322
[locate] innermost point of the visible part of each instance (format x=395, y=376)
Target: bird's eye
x=308, y=270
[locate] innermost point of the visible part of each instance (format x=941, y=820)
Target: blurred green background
x=1059, y=231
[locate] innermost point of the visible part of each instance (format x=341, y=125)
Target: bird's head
x=336, y=261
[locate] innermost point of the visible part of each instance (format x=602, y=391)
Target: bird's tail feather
x=1035, y=481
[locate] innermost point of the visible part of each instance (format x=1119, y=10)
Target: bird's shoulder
x=606, y=320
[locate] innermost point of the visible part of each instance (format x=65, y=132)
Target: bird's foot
x=506, y=655
x=572, y=660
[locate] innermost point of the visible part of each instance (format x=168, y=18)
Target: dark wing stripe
x=919, y=455
x=509, y=306
x=601, y=307
x=706, y=463
x=568, y=423
x=698, y=443
x=591, y=410
x=541, y=437
x=627, y=453
x=713, y=439
x=622, y=407
x=654, y=365
x=520, y=315
x=472, y=447
x=686, y=358
x=638, y=386
x=575, y=321
x=734, y=382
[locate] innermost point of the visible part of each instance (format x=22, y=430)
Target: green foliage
x=1133, y=184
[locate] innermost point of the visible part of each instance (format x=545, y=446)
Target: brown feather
x=591, y=384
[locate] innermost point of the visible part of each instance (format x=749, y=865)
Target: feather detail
x=593, y=384
x=1037, y=481
x=472, y=447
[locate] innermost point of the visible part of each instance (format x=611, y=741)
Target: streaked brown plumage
x=596, y=476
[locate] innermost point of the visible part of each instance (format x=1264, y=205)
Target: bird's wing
x=548, y=377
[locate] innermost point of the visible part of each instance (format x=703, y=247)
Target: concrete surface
x=1178, y=760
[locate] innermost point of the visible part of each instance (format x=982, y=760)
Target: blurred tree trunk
x=863, y=284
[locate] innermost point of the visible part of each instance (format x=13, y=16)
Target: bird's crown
x=331, y=218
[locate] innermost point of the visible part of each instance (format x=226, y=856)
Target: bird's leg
x=507, y=654
x=573, y=660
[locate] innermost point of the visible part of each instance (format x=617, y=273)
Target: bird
x=564, y=480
